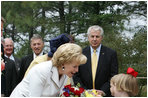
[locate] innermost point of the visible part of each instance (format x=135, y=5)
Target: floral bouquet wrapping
x=77, y=91
x=71, y=91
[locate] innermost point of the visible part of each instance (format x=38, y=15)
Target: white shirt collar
x=11, y=57
x=34, y=55
x=97, y=50
x=55, y=77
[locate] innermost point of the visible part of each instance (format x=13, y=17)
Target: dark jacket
x=107, y=67
x=9, y=78
x=25, y=62
x=17, y=65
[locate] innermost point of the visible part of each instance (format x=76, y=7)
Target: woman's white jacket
x=41, y=81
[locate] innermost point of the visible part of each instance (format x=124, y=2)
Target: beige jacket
x=37, y=60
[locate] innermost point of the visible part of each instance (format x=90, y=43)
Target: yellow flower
x=88, y=95
x=95, y=92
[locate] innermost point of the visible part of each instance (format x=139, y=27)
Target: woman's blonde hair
x=68, y=53
x=125, y=82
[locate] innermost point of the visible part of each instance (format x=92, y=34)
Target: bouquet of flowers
x=72, y=91
x=93, y=93
x=77, y=91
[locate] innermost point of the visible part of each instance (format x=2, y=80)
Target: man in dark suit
x=37, y=46
x=106, y=64
x=8, y=71
x=8, y=75
x=9, y=48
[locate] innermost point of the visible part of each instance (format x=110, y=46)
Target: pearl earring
x=63, y=68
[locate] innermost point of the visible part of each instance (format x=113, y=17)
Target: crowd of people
x=45, y=74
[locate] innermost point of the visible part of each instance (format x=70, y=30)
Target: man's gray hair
x=36, y=36
x=95, y=28
x=10, y=39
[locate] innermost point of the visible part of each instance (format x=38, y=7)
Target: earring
x=63, y=68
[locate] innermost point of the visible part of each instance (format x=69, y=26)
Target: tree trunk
x=43, y=26
x=30, y=36
x=13, y=32
x=62, y=17
x=69, y=22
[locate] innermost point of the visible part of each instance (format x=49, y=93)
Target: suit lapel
x=100, y=61
x=31, y=57
x=55, y=76
x=88, y=64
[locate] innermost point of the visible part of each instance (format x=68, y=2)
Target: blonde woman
x=124, y=85
x=48, y=78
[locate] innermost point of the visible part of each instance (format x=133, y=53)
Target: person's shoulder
x=107, y=48
x=42, y=68
x=9, y=63
x=86, y=48
x=43, y=65
x=27, y=56
x=8, y=60
x=17, y=59
x=41, y=58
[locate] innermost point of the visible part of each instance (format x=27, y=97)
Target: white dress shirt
x=34, y=55
x=97, y=51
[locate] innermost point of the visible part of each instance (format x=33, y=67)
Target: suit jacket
x=107, y=67
x=8, y=77
x=25, y=62
x=41, y=81
x=17, y=65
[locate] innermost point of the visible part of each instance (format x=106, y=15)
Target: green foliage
x=23, y=51
x=142, y=70
x=139, y=43
x=74, y=17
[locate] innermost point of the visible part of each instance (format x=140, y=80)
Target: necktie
x=94, y=66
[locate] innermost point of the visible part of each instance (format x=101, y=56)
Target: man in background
x=37, y=46
x=8, y=49
x=8, y=71
x=101, y=63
